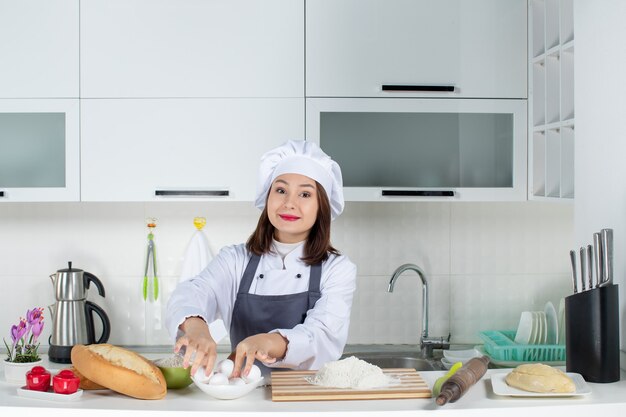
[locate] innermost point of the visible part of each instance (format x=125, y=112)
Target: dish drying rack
x=500, y=345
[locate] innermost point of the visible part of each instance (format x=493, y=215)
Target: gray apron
x=254, y=314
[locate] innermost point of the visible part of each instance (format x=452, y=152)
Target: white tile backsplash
x=485, y=262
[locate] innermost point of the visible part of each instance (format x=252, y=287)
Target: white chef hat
x=305, y=158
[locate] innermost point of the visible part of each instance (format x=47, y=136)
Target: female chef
x=286, y=294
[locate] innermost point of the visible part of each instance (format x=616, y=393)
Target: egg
x=237, y=381
x=253, y=375
x=218, y=379
x=225, y=367
x=201, y=376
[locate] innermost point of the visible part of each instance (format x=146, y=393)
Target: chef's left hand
x=266, y=347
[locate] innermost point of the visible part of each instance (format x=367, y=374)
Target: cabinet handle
x=192, y=193
x=437, y=88
x=1, y=193
x=417, y=193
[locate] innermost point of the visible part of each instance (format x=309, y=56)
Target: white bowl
x=229, y=392
x=460, y=355
x=447, y=363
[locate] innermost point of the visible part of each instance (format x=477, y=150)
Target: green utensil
x=439, y=382
x=150, y=258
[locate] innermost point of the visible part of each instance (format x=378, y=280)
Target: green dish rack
x=500, y=345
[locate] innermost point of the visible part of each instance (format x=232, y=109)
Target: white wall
x=600, y=103
x=486, y=261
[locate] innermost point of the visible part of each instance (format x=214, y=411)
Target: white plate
x=500, y=387
x=543, y=328
x=525, y=328
x=229, y=392
x=553, y=324
x=48, y=395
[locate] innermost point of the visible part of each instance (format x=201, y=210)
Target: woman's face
x=292, y=207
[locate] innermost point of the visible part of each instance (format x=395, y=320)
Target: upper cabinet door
x=39, y=49
x=192, y=48
x=476, y=48
x=155, y=149
x=39, y=150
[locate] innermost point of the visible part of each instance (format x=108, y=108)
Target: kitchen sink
x=398, y=360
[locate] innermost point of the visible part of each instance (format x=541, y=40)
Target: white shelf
x=567, y=21
x=538, y=33
x=567, y=162
x=551, y=100
x=553, y=89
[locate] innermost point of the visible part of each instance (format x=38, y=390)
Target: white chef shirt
x=323, y=335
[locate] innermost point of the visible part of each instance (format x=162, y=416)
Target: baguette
x=120, y=370
x=86, y=383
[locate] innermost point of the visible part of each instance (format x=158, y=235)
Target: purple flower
x=34, y=316
x=37, y=328
x=17, y=332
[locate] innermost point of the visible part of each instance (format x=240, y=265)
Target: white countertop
x=604, y=400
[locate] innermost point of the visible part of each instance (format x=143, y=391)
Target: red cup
x=65, y=382
x=38, y=379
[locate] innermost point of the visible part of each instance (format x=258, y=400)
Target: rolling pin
x=458, y=384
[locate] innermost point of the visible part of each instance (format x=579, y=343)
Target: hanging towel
x=197, y=256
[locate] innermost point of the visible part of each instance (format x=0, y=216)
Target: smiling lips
x=288, y=217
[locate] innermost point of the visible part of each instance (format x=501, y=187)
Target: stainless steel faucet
x=427, y=344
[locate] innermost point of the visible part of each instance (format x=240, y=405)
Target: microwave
x=408, y=149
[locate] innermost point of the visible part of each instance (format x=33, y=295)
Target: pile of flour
x=350, y=373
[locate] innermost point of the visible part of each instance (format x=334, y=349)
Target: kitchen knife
x=583, y=268
x=590, y=267
x=598, y=255
x=607, y=258
x=572, y=257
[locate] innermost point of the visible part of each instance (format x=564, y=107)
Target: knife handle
x=583, y=268
x=607, y=258
x=572, y=257
x=590, y=266
x=598, y=252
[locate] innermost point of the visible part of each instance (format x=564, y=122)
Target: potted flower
x=22, y=354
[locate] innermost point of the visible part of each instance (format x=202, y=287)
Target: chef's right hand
x=197, y=339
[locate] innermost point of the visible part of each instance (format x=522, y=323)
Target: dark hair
x=317, y=246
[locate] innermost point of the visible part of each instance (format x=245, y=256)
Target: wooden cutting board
x=293, y=386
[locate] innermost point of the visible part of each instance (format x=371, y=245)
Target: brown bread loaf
x=120, y=370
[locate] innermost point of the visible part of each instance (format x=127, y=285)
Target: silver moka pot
x=72, y=314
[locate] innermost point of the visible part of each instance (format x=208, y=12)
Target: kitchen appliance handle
x=192, y=193
x=418, y=193
x=89, y=277
x=409, y=87
x=90, y=308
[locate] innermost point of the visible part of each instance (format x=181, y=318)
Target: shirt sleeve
x=210, y=295
x=323, y=335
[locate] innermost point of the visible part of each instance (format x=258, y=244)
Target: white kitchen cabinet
x=424, y=149
x=39, y=49
x=192, y=48
x=477, y=48
x=185, y=149
x=551, y=100
x=39, y=150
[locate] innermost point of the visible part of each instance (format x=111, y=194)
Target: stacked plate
x=538, y=327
